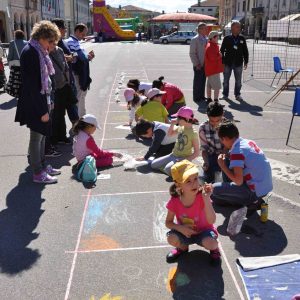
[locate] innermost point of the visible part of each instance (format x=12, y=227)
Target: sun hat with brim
x=213, y=33
x=129, y=94
x=182, y=170
x=185, y=112
x=90, y=119
x=154, y=92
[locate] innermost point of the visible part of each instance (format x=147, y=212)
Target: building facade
x=254, y=14
x=77, y=11
x=208, y=7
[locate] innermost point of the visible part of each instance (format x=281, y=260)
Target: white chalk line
x=283, y=151
x=131, y=193
x=67, y=294
x=224, y=257
x=77, y=247
x=121, y=249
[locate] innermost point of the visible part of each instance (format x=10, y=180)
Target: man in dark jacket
x=81, y=68
x=234, y=53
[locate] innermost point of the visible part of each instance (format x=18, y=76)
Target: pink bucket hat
x=187, y=113
x=129, y=94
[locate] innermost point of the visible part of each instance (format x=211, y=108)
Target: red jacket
x=213, y=59
x=173, y=94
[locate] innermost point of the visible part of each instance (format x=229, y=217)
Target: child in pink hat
x=187, y=143
x=133, y=101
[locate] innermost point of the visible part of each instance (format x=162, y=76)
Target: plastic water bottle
x=236, y=221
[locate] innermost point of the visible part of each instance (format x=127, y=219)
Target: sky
x=156, y=5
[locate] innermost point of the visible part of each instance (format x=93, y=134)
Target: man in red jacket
x=213, y=66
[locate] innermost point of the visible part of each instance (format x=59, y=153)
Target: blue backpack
x=87, y=171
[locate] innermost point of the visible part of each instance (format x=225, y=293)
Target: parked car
x=178, y=37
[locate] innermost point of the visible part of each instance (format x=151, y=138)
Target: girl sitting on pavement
x=187, y=143
x=133, y=101
x=195, y=216
x=152, y=109
x=84, y=144
x=173, y=99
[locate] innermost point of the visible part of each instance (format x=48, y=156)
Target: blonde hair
x=45, y=30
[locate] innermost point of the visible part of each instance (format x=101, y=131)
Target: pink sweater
x=84, y=145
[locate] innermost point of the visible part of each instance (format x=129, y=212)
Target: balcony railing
x=257, y=10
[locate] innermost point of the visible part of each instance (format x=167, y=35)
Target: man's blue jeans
x=237, y=71
x=231, y=194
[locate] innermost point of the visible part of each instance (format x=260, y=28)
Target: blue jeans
x=72, y=111
x=194, y=239
x=213, y=167
x=199, y=85
x=231, y=194
x=237, y=71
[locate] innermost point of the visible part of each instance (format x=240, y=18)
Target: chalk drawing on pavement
x=107, y=297
x=97, y=242
x=159, y=217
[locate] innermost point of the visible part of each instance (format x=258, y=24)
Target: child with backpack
x=187, y=143
x=195, y=217
x=84, y=144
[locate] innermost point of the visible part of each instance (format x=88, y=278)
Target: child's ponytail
x=173, y=190
x=144, y=102
x=158, y=84
x=80, y=125
x=135, y=101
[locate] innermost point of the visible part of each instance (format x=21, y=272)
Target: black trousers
x=164, y=150
x=63, y=98
x=199, y=85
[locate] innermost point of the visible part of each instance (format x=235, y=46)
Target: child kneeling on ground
x=211, y=145
x=84, y=144
x=191, y=205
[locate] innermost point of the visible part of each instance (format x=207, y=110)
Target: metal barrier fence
x=273, y=33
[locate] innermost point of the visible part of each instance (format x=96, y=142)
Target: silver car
x=178, y=37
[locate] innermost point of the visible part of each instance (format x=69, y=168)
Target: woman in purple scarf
x=34, y=102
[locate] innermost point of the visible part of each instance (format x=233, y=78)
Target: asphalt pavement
x=65, y=241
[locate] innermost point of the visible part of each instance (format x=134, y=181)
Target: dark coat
x=32, y=105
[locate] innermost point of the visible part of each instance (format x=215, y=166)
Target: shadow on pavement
x=9, y=104
x=256, y=238
x=244, y=106
x=17, y=225
x=194, y=278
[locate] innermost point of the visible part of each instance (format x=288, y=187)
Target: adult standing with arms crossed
x=197, y=52
x=234, y=53
x=81, y=68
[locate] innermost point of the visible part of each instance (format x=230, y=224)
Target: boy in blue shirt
x=249, y=171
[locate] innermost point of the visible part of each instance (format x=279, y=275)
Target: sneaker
x=208, y=100
x=224, y=98
x=45, y=178
x=51, y=171
x=65, y=141
x=215, y=257
x=53, y=153
x=174, y=254
x=239, y=98
x=216, y=100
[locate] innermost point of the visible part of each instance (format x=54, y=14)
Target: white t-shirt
x=145, y=86
x=165, y=127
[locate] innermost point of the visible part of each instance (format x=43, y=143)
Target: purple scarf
x=46, y=65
